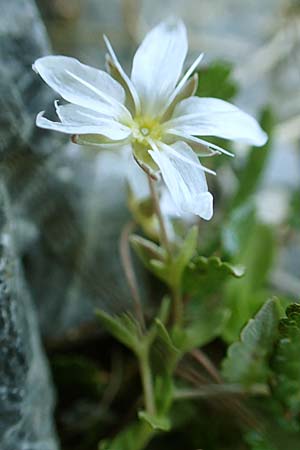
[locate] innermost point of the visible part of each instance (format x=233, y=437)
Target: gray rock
x=26, y=396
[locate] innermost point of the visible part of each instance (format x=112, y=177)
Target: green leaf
x=124, y=328
x=152, y=256
x=164, y=354
x=156, y=422
x=135, y=436
x=286, y=361
x=204, y=276
x=147, y=250
x=187, y=250
x=160, y=269
x=258, y=441
x=247, y=360
x=216, y=81
x=169, y=270
x=205, y=317
x=164, y=310
x=201, y=326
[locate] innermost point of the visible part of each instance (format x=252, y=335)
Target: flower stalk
x=147, y=382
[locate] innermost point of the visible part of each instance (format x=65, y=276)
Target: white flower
x=154, y=111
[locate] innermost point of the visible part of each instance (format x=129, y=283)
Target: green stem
x=147, y=383
x=221, y=389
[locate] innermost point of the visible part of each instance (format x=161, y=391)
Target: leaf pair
x=168, y=269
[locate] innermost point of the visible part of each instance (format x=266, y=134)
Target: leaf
x=164, y=309
x=247, y=359
x=286, y=361
x=201, y=327
x=187, y=250
x=124, y=328
x=164, y=354
x=135, y=436
x=258, y=441
x=152, y=256
x=205, y=276
x=147, y=250
x=156, y=260
x=156, y=422
x=161, y=270
x=216, y=81
x=205, y=317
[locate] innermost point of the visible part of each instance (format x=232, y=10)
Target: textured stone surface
x=26, y=396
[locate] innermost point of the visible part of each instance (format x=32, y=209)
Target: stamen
x=145, y=131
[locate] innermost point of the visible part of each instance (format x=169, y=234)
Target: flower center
x=145, y=129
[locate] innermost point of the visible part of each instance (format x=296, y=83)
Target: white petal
x=99, y=141
x=188, y=89
x=182, y=82
x=200, y=146
x=72, y=114
x=214, y=117
x=82, y=85
x=158, y=63
x=171, y=149
x=185, y=181
x=106, y=127
x=126, y=80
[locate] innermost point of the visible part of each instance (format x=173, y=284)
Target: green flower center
x=145, y=129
